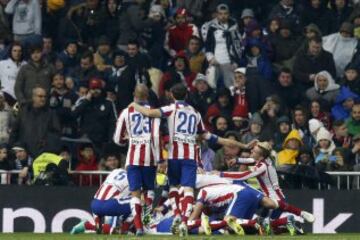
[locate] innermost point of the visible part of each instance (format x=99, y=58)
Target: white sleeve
x=245, y=160
x=120, y=131
x=10, y=7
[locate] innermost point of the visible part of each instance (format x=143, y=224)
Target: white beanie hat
x=315, y=125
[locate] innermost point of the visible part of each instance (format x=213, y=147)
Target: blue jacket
x=338, y=111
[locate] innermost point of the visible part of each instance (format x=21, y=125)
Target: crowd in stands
x=283, y=71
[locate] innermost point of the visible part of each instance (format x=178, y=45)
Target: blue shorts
x=111, y=207
x=182, y=172
x=141, y=178
x=245, y=203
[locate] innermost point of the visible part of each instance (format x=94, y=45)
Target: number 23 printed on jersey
x=140, y=125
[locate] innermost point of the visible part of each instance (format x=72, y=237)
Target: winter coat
x=202, y=101
x=290, y=96
x=37, y=128
x=305, y=65
x=290, y=15
x=338, y=112
x=8, y=73
x=342, y=49
x=288, y=156
x=177, y=37
x=322, y=17
x=353, y=126
x=329, y=94
x=354, y=85
x=31, y=76
x=284, y=47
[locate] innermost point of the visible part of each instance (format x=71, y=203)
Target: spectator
x=269, y=114
x=207, y=156
x=316, y=12
x=273, y=29
x=26, y=18
x=5, y=31
x=37, y=126
x=285, y=10
x=87, y=70
x=87, y=161
x=238, y=90
x=314, y=127
x=96, y=113
x=324, y=88
x=6, y=120
x=323, y=152
x=240, y=119
x=49, y=54
x=69, y=56
x=256, y=57
x=305, y=157
x=351, y=78
x=341, y=11
x=203, y=96
x=353, y=122
x=179, y=73
x=220, y=126
x=139, y=63
x=311, y=61
x=9, y=69
x=344, y=102
x=23, y=162
x=224, y=155
x=112, y=30
x=310, y=31
x=222, y=107
x=290, y=150
x=223, y=45
x=341, y=135
x=247, y=16
x=317, y=111
x=283, y=129
x=110, y=162
x=35, y=73
x=178, y=35
x=197, y=59
x=300, y=123
x=62, y=100
x=288, y=90
x=284, y=44
x=103, y=55
x=256, y=125
x=342, y=46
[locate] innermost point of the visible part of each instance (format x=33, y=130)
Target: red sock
x=136, y=210
x=250, y=224
x=174, y=195
x=89, y=226
x=215, y=225
x=186, y=206
x=163, y=198
x=125, y=227
x=193, y=224
x=284, y=206
x=278, y=222
x=149, y=198
x=106, y=228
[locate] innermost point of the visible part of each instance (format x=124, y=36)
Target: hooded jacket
x=329, y=94
x=338, y=111
x=288, y=156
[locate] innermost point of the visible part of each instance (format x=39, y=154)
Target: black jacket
x=202, y=101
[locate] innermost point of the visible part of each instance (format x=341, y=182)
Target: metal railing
x=343, y=180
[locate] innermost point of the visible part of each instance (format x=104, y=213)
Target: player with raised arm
x=143, y=134
x=267, y=177
x=185, y=125
x=111, y=199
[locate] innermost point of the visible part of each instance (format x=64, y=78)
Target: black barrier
x=57, y=209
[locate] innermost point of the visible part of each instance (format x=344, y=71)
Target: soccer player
x=267, y=177
x=111, y=199
x=143, y=134
x=184, y=124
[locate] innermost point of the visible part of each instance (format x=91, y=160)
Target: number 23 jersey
x=143, y=134
x=184, y=124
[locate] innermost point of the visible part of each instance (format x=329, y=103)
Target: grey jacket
x=29, y=77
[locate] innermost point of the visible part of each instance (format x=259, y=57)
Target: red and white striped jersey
x=184, y=124
x=218, y=196
x=143, y=134
x=207, y=180
x=115, y=186
x=265, y=173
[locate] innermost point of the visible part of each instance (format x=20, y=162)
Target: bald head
x=141, y=92
x=38, y=97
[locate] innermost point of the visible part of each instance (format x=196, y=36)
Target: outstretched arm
x=227, y=142
x=154, y=113
x=254, y=172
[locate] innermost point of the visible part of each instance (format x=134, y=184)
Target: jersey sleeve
x=256, y=171
x=120, y=131
x=166, y=111
x=201, y=127
x=245, y=160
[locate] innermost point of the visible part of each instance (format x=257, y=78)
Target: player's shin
x=175, y=199
x=187, y=205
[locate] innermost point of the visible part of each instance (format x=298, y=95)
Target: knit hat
x=54, y=5
x=247, y=12
x=199, y=77
x=323, y=134
x=347, y=27
x=283, y=119
x=181, y=12
x=315, y=125
x=241, y=70
x=256, y=119
x=95, y=83
x=239, y=113
x=222, y=6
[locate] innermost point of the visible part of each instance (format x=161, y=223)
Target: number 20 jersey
x=184, y=124
x=144, y=137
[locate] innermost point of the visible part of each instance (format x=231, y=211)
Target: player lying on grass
x=266, y=175
x=185, y=125
x=111, y=199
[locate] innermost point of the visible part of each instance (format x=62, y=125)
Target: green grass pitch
x=32, y=236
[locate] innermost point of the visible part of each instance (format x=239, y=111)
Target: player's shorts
x=182, y=172
x=111, y=207
x=245, y=203
x=141, y=178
